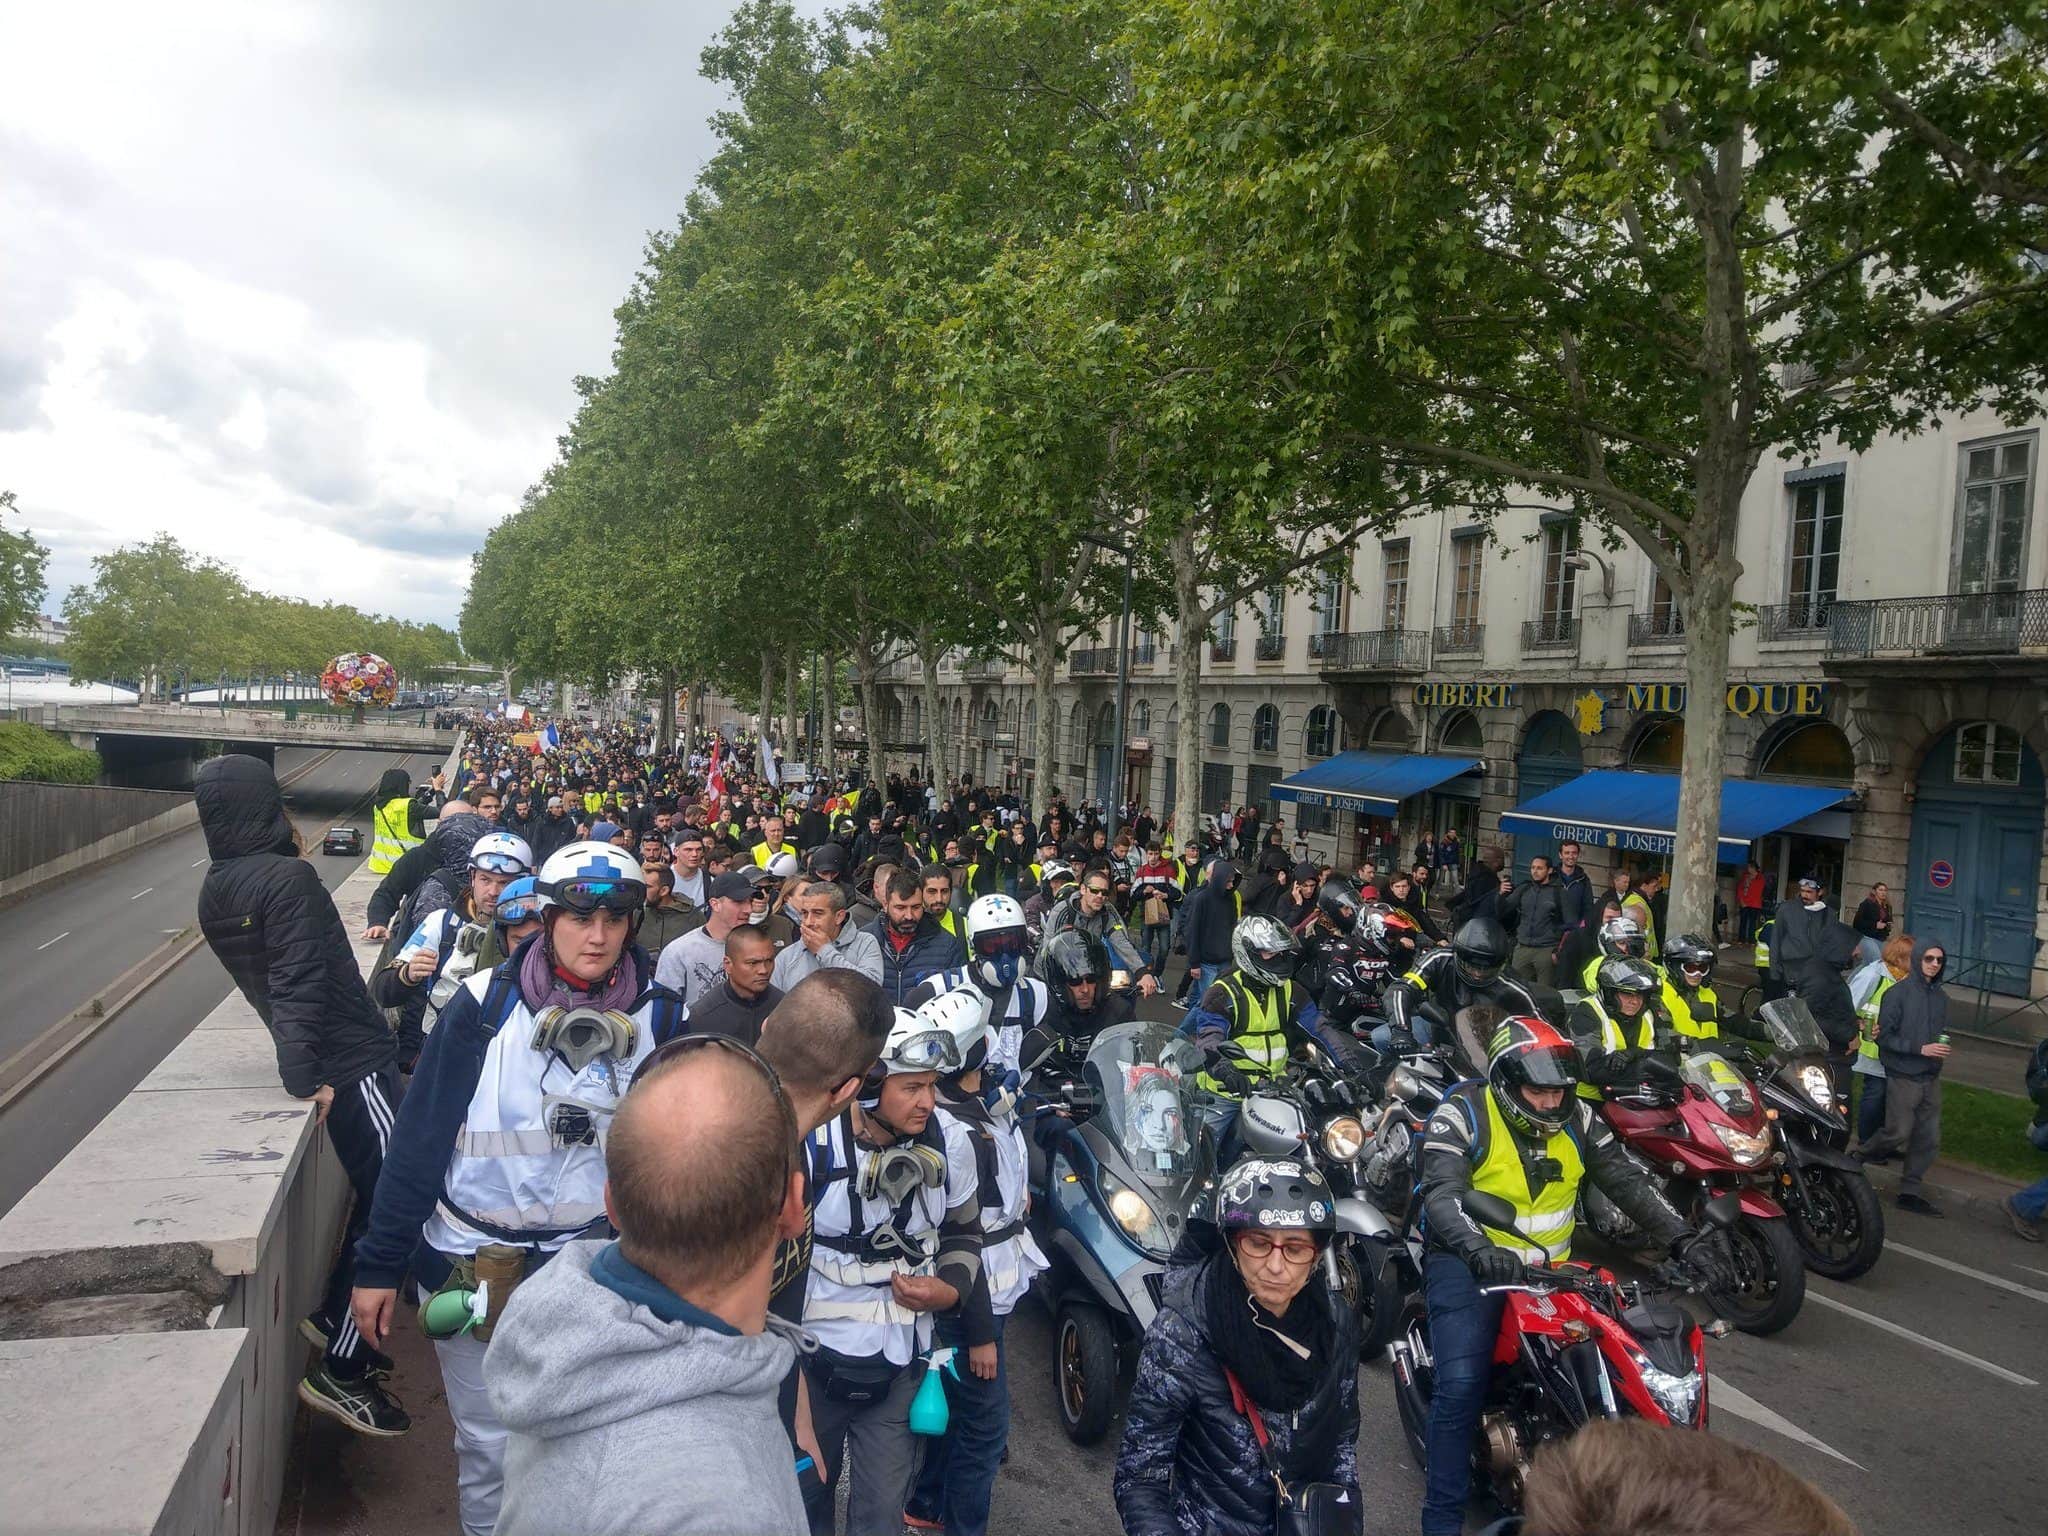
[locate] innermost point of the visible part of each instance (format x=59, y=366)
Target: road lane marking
x=1723, y=1395
x=57, y=940
x=142, y=893
x=2030, y=1269
x=1920, y=1338
x=1963, y=1269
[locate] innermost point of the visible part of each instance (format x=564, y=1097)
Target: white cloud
x=306, y=284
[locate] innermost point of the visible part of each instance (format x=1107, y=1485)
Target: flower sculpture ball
x=360, y=679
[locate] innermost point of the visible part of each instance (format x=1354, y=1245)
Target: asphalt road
x=60, y=948
x=1913, y=1397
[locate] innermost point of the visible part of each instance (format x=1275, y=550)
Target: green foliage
x=30, y=752
x=23, y=564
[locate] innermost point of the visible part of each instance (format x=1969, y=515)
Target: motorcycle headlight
x=1743, y=1147
x=1678, y=1396
x=1814, y=1083
x=1343, y=1138
x=1134, y=1213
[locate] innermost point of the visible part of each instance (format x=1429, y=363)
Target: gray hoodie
x=625, y=1425
x=1914, y=1013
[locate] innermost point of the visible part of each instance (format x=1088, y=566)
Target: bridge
x=156, y=745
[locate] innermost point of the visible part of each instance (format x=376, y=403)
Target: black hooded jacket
x=274, y=926
x=1913, y=1015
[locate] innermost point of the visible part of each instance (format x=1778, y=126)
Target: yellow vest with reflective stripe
x=1643, y=920
x=1612, y=1039
x=762, y=855
x=1703, y=1025
x=1546, y=1219
x=1866, y=1017
x=391, y=834
x=1261, y=1029
x=1763, y=943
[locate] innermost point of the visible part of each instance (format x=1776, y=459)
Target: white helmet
x=587, y=875
x=501, y=853
x=915, y=1044
x=1265, y=949
x=962, y=1014
x=782, y=867
x=997, y=938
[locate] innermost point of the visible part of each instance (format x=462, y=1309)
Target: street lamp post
x=1123, y=681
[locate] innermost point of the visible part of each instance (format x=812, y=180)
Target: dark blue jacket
x=1189, y=1465
x=930, y=951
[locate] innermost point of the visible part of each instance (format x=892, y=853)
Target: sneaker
x=1919, y=1206
x=2030, y=1230
x=316, y=1331
x=361, y=1404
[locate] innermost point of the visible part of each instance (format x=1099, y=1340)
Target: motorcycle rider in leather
x=1472, y=972
x=1623, y=1034
x=1261, y=1008
x=1688, y=994
x=1382, y=946
x=1524, y=1136
x=1325, y=930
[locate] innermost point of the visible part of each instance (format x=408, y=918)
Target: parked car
x=344, y=839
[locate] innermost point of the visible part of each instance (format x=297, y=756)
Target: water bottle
x=929, y=1414
x=449, y=1313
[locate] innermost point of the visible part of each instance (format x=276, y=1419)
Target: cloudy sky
x=305, y=282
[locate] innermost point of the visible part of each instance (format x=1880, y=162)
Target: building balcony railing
x=1372, y=650
x=1962, y=624
x=1804, y=618
x=1270, y=648
x=1460, y=639
x=1553, y=632
x=1666, y=628
x=986, y=666
x=1093, y=661
x=1223, y=650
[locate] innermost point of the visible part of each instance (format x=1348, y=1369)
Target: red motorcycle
x=1575, y=1345
x=1700, y=1129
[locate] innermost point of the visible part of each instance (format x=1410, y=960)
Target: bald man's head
x=698, y=1165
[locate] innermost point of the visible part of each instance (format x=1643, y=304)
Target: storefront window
x=1987, y=753
x=1461, y=734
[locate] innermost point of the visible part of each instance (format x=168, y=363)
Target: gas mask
x=580, y=1035
x=893, y=1174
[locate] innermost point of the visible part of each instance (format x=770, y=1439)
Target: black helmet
x=1275, y=1194
x=1071, y=957
x=1690, y=951
x=1527, y=1052
x=1622, y=937
x=1482, y=951
x=1339, y=901
x=1625, y=975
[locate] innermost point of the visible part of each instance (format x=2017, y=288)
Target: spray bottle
x=929, y=1414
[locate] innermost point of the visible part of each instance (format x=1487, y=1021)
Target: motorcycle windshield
x=1142, y=1074
x=1792, y=1027
x=1720, y=1082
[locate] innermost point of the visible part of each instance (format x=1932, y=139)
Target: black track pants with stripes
x=359, y=1125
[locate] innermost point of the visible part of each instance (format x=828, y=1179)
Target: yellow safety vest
x=1261, y=1029
x=593, y=802
x=1866, y=1018
x=1643, y=921
x=1763, y=943
x=950, y=922
x=762, y=855
x=1702, y=1025
x=1547, y=1219
x=391, y=833
x=1612, y=1039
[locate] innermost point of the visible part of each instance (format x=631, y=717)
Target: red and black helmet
x=1528, y=1053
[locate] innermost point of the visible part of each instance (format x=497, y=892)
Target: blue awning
x=1374, y=782
x=1635, y=812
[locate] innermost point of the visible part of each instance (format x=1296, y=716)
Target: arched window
x=1660, y=744
x=1987, y=753
x=916, y=718
x=1461, y=733
x=1077, y=732
x=1390, y=731
x=959, y=717
x=1010, y=717
x=1811, y=749
x=1105, y=724
x=1319, y=739
x=1266, y=729
x=1030, y=740
x=1171, y=730
x=1141, y=718
x=1219, y=726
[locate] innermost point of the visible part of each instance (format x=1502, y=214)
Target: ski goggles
x=520, y=909
x=584, y=897
x=932, y=1051
x=499, y=864
x=1006, y=942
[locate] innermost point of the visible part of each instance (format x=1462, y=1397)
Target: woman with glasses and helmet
x=521, y=1076
x=1248, y=1379
x=1689, y=995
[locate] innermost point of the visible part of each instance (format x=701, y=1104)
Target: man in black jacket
x=1535, y=913
x=738, y=1004
x=272, y=924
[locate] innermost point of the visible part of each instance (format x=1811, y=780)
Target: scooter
x=1699, y=1129
x=1835, y=1214
x=1575, y=1345
x=1112, y=1188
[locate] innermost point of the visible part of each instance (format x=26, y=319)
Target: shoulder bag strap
x=1244, y=1405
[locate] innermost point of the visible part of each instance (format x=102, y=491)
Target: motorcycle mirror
x=1035, y=1047
x=1488, y=1210
x=1723, y=1210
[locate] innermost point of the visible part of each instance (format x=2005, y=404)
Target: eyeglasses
x=1297, y=1251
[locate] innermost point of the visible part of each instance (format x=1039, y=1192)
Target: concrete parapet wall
x=52, y=829
x=206, y=1185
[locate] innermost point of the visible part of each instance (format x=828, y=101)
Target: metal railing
x=986, y=666
x=1093, y=661
x=1223, y=650
x=1460, y=639
x=1666, y=628
x=1959, y=624
x=1270, y=648
x=1804, y=618
x=1373, y=650
x=1554, y=632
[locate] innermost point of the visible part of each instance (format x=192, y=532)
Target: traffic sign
x=1941, y=874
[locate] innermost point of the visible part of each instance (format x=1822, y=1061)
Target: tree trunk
x=1191, y=625
x=828, y=706
x=666, y=718
x=867, y=661
x=1695, y=870
x=928, y=653
x=790, y=665
x=766, y=721
x=1045, y=659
